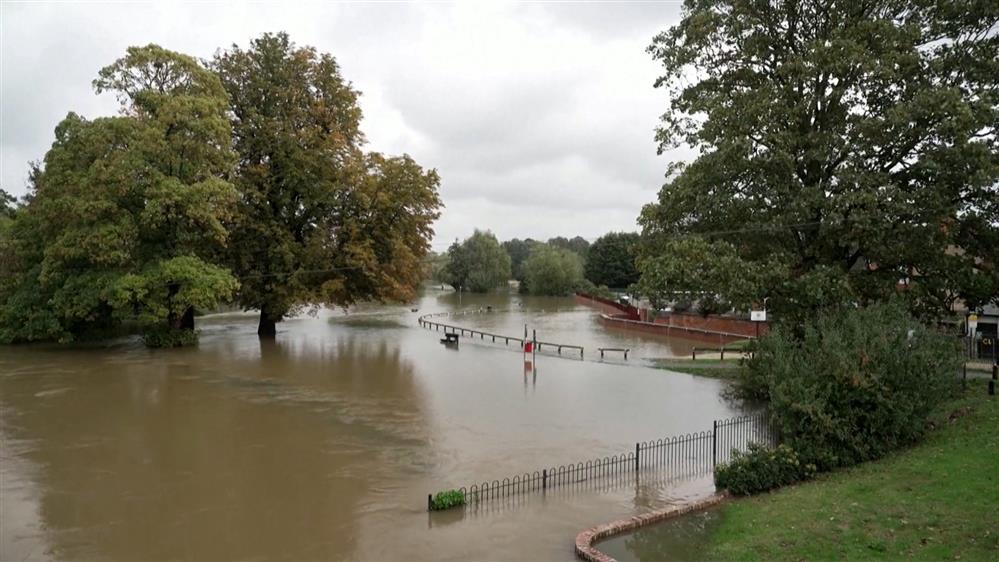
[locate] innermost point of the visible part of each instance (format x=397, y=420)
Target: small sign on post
x=757, y=316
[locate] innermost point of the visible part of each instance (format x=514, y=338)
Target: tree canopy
x=518, y=250
x=552, y=271
x=845, y=149
x=576, y=244
x=478, y=264
x=127, y=217
x=318, y=221
x=610, y=260
x=253, y=166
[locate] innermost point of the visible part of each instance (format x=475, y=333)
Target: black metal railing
x=682, y=455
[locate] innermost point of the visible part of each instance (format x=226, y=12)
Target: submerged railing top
x=425, y=322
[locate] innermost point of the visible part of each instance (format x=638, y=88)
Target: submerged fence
x=683, y=455
x=425, y=322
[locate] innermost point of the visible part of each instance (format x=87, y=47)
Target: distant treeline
x=559, y=266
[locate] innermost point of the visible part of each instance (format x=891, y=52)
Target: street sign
x=758, y=315
x=972, y=323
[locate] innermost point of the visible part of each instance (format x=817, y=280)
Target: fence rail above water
x=425, y=322
x=683, y=455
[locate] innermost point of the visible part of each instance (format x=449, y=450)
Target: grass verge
x=714, y=368
x=938, y=500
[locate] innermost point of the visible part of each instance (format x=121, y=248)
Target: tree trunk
x=187, y=320
x=268, y=325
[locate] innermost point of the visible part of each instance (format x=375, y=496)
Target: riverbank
x=937, y=500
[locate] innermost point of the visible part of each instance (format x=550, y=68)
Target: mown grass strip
x=938, y=500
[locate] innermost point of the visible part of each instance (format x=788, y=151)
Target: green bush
x=851, y=386
x=164, y=337
x=761, y=469
x=447, y=500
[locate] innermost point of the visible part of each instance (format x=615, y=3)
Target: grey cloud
x=539, y=117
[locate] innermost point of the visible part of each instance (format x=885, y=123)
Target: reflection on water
x=324, y=443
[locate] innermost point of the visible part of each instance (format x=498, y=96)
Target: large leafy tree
x=845, y=148
x=551, y=270
x=478, y=264
x=610, y=260
x=319, y=221
x=127, y=214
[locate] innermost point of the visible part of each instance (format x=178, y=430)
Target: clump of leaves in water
x=447, y=500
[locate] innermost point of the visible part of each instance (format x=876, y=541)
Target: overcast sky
x=538, y=116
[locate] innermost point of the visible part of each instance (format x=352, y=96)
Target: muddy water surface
x=324, y=443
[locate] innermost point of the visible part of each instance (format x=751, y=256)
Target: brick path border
x=585, y=540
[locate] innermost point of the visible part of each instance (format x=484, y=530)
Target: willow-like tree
x=845, y=148
x=478, y=264
x=318, y=220
x=551, y=270
x=126, y=216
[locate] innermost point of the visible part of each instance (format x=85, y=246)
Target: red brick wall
x=608, y=306
x=713, y=323
x=713, y=338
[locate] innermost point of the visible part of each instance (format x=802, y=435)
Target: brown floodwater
x=324, y=443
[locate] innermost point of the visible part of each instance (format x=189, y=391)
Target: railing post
x=714, y=444
x=544, y=478
x=636, y=457
x=430, y=502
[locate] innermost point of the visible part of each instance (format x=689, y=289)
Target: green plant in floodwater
x=447, y=500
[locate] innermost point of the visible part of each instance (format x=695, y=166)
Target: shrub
x=447, y=500
x=849, y=387
x=761, y=469
x=165, y=337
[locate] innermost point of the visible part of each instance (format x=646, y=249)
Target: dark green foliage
x=519, y=251
x=128, y=213
x=161, y=337
x=478, y=264
x=843, y=147
x=761, y=469
x=610, y=260
x=577, y=244
x=552, y=271
x=851, y=386
x=447, y=500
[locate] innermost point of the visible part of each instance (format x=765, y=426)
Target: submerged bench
x=621, y=349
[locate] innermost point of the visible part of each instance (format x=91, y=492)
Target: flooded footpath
x=324, y=443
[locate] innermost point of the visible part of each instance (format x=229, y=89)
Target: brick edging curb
x=585, y=540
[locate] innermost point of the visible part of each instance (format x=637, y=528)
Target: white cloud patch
x=539, y=117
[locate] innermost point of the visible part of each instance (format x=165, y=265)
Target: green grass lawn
x=715, y=368
x=936, y=501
